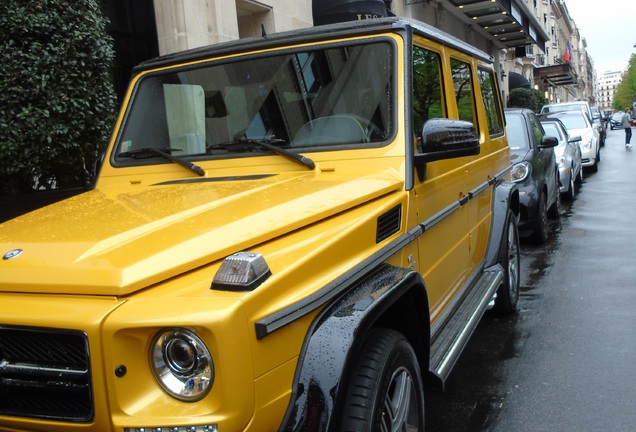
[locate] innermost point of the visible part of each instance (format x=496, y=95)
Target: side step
x=456, y=331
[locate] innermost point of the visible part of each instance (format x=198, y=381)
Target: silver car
x=578, y=124
x=567, y=154
x=568, y=106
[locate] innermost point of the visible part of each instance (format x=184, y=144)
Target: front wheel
x=555, y=208
x=385, y=392
x=569, y=194
x=579, y=178
x=540, y=233
x=510, y=260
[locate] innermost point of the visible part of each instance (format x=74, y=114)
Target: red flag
x=567, y=55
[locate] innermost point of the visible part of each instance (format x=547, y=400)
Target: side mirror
x=445, y=139
x=549, y=141
x=575, y=139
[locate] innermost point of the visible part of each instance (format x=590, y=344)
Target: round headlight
x=520, y=171
x=561, y=161
x=182, y=364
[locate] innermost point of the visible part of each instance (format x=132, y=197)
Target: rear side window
x=463, y=91
x=488, y=87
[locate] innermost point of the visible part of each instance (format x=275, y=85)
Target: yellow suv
x=294, y=232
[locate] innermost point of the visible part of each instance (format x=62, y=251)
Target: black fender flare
x=335, y=337
x=506, y=197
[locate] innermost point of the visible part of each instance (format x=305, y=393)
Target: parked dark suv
x=535, y=171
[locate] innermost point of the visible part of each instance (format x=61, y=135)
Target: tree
x=57, y=103
x=526, y=98
x=625, y=94
x=539, y=98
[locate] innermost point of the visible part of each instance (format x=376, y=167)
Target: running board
x=456, y=332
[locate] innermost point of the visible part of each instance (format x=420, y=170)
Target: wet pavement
x=566, y=361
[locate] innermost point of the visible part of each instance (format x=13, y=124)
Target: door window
x=463, y=91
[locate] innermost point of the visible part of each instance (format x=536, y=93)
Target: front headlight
x=560, y=161
x=520, y=171
x=586, y=143
x=182, y=364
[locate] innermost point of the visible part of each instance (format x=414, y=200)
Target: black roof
x=316, y=34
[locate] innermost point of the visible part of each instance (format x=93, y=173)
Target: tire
x=554, y=210
x=540, y=233
x=594, y=168
x=569, y=194
x=510, y=259
x=385, y=392
x=579, y=178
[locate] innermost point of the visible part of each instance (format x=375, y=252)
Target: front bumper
x=564, y=179
x=588, y=157
x=86, y=362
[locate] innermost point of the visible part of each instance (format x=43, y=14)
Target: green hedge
x=57, y=103
x=526, y=98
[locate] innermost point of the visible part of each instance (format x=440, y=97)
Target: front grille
x=45, y=374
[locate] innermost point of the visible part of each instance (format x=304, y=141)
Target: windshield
x=304, y=99
x=574, y=121
x=517, y=132
x=551, y=130
x=563, y=107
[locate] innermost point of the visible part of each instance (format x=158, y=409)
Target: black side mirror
x=548, y=141
x=445, y=139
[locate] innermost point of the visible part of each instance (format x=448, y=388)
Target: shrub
x=526, y=98
x=57, y=103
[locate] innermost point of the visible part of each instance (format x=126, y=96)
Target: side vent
x=388, y=223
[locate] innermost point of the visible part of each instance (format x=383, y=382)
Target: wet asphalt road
x=566, y=361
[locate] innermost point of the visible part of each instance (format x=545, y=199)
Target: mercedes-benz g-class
x=293, y=232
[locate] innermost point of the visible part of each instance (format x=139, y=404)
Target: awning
x=509, y=23
x=516, y=80
x=557, y=75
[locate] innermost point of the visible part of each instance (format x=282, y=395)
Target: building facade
x=525, y=37
x=606, y=88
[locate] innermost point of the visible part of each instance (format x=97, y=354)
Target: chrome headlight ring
x=182, y=364
x=561, y=161
x=520, y=171
x=586, y=142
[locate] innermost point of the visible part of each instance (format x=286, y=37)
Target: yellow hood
x=116, y=240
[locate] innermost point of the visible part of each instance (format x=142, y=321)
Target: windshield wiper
x=303, y=160
x=149, y=152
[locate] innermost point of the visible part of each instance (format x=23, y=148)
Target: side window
x=463, y=91
x=491, y=100
x=427, y=87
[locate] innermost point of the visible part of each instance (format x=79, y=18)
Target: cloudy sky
x=609, y=27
